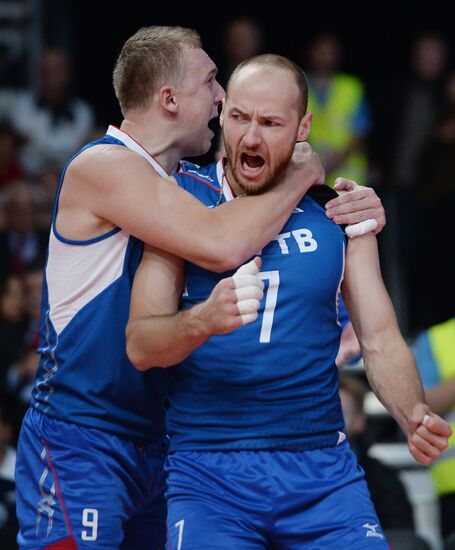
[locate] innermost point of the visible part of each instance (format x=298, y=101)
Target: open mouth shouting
x=251, y=165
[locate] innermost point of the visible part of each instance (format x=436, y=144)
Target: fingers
x=424, y=449
x=353, y=201
x=359, y=216
x=361, y=228
x=302, y=151
x=429, y=434
x=438, y=441
x=248, y=306
x=420, y=456
x=249, y=290
x=437, y=425
x=343, y=184
x=248, y=318
x=246, y=279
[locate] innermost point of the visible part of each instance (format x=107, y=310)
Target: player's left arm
x=389, y=363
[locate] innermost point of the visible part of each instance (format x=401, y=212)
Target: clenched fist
x=234, y=301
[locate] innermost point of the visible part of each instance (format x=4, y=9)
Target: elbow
x=136, y=357
x=224, y=258
x=134, y=352
x=140, y=358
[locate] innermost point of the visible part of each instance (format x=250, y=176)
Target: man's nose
x=219, y=93
x=252, y=137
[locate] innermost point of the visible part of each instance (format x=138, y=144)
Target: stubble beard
x=270, y=180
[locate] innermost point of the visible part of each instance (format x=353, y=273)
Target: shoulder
x=108, y=164
x=195, y=178
x=321, y=194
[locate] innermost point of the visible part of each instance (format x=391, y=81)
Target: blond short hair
x=149, y=59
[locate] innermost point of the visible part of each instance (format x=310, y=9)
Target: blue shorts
x=251, y=500
x=79, y=487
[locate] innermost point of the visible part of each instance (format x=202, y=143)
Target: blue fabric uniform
x=94, y=437
x=258, y=457
x=271, y=384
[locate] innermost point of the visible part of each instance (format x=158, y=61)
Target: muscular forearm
x=242, y=227
x=394, y=378
x=441, y=398
x=164, y=340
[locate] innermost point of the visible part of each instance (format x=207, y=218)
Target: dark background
x=376, y=36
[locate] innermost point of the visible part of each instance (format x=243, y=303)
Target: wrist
x=197, y=322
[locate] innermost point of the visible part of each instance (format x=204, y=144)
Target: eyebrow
x=266, y=116
x=272, y=116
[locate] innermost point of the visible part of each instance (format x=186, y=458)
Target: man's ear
x=168, y=99
x=304, y=127
x=223, y=106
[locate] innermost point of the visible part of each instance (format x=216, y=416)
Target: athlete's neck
x=231, y=180
x=155, y=141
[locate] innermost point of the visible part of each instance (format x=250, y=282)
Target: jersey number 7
x=271, y=295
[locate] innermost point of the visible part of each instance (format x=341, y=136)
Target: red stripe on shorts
x=65, y=544
x=62, y=504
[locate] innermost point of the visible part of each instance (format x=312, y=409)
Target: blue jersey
x=272, y=384
x=84, y=375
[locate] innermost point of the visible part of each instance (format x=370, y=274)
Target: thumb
x=258, y=262
x=418, y=416
x=251, y=268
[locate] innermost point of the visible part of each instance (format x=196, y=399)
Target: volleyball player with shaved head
x=258, y=456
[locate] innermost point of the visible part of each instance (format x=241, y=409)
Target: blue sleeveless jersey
x=272, y=384
x=84, y=374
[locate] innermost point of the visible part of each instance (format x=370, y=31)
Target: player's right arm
x=158, y=335
x=114, y=184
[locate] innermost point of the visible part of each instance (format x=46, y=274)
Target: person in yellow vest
x=434, y=349
x=341, y=116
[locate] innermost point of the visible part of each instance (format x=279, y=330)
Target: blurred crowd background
x=382, y=89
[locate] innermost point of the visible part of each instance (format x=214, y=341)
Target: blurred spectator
x=10, y=170
x=243, y=39
x=407, y=114
x=435, y=207
x=7, y=437
x=46, y=185
x=21, y=373
x=53, y=122
x=33, y=283
x=387, y=492
x=8, y=522
x=22, y=242
x=418, y=107
x=13, y=321
x=434, y=350
x=342, y=119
